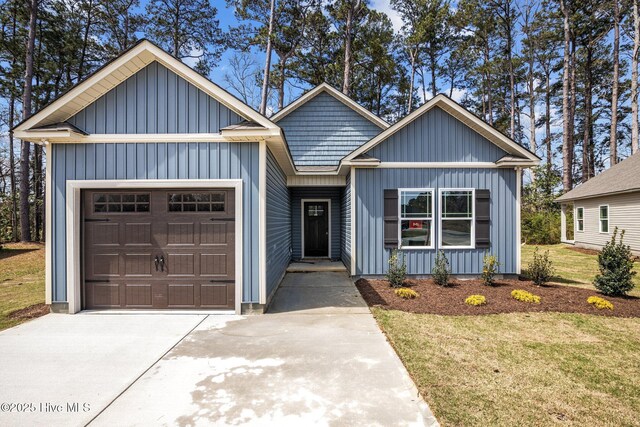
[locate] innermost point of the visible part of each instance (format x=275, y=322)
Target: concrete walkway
x=318, y=359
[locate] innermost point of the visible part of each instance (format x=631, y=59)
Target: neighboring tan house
x=164, y=191
x=606, y=201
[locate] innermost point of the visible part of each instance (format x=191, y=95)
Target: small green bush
x=541, y=228
x=490, y=267
x=475, y=300
x=397, y=269
x=525, y=296
x=441, y=270
x=600, y=303
x=615, y=263
x=540, y=269
x=406, y=293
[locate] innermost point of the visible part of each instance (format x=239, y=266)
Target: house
x=606, y=201
x=164, y=191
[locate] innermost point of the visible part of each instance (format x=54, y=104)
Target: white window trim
x=472, y=219
x=74, y=241
x=600, y=219
x=432, y=219
x=577, y=228
x=302, y=202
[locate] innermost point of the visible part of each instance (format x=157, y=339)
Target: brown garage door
x=159, y=249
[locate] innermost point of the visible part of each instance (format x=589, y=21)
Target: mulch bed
x=30, y=312
x=436, y=299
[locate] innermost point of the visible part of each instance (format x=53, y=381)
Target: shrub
x=540, y=269
x=525, y=296
x=600, y=303
x=397, y=269
x=476, y=300
x=541, y=228
x=441, y=270
x=489, y=269
x=406, y=293
x=615, y=263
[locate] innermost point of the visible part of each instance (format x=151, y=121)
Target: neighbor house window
x=456, y=218
x=416, y=218
x=580, y=219
x=604, y=218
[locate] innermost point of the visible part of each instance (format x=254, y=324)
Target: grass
x=524, y=368
x=521, y=369
x=21, y=279
x=573, y=267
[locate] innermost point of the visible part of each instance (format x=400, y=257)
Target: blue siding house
x=164, y=191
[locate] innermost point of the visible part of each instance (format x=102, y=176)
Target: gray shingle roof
x=623, y=177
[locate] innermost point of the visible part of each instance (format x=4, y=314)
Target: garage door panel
x=218, y=295
x=159, y=249
x=137, y=234
x=138, y=264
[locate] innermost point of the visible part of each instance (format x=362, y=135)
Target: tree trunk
x=85, y=39
x=413, y=76
x=567, y=154
x=434, y=64
x=267, y=62
x=348, y=54
x=588, y=114
x=25, y=230
x=613, y=135
x=634, y=78
x=489, y=85
x=283, y=69
x=512, y=79
x=547, y=124
x=12, y=169
x=532, y=110
x=37, y=184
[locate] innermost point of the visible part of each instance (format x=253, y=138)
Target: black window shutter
x=391, y=218
x=483, y=218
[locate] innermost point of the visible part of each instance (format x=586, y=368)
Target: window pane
x=580, y=225
x=217, y=207
x=99, y=198
x=415, y=233
x=456, y=233
x=580, y=213
x=457, y=204
x=142, y=198
x=129, y=198
x=128, y=207
x=175, y=207
x=204, y=207
x=143, y=207
x=114, y=198
x=416, y=204
x=604, y=212
x=99, y=208
x=604, y=225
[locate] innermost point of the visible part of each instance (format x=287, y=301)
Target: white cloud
x=385, y=6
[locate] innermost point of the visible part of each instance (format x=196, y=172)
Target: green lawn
x=21, y=280
x=521, y=369
x=573, y=267
x=524, y=368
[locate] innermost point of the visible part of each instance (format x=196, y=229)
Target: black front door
x=316, y=229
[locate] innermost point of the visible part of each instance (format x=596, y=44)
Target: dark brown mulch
x=593, y=252
x=30, y=312
x=436, y=299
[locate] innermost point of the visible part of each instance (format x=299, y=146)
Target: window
x=416, y=218
x=604, y=218
x=196, y=202
x=315, y=210
x=579, y=219
x=457, y=218
x=120, y=203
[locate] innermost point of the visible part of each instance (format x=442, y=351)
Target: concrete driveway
x=319, y=360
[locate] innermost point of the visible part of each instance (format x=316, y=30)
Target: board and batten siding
x=324, y=130
x=372, y=257
x=156, y=161
x=624, y=213
x=345, y=225
x=299, y=193
x=154, y=100
x=278, y=223
x=436, y=136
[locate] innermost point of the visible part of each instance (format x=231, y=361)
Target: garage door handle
x=162, y=263
x=156, y=260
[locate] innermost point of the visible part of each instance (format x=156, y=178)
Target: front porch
x=316, y=265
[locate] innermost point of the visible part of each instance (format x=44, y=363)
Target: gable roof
x=117, y=71
x=326, y=88
x=526, y=157
x=623, y=177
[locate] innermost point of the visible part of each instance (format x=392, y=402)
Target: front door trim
x=302, y=202
x=73, y=222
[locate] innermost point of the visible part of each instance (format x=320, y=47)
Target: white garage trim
x=262, y=223
x=48, y=238
x=73, y=212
